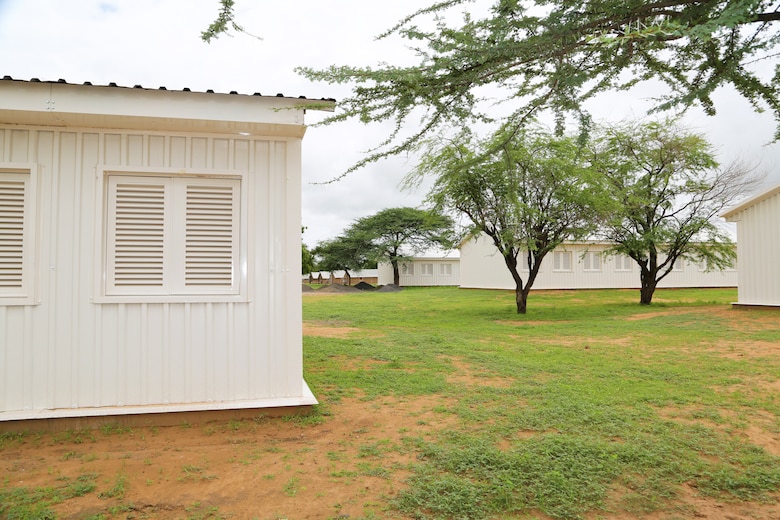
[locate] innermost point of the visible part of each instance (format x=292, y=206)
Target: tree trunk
x=647, y=290
x=521, y=299
x=396, y=274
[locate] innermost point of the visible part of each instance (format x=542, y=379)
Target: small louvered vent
x=209, y=245
x=139, y=234
x=12, y=208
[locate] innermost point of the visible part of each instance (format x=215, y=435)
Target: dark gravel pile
x=391, y=287
x=338, y=288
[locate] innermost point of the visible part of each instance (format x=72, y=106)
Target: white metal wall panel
x=68, y=352
x=758, y=238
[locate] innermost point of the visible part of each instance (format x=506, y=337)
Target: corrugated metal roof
x=141, y=87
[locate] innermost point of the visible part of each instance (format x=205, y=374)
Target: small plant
x=191, y=471
x=199, y=511
x=11, y=439
x=118, y=489
x=114, y=429
x=292, y=486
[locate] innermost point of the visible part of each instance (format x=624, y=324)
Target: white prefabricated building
x=149, y=250
x=758, y=247
x=422, y=272
x=577, y=265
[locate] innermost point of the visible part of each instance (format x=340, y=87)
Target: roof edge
x=328, y=104
x=752, y=201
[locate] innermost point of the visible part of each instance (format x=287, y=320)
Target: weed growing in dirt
x=199, y=511
x=117, y=490
x=292, y=486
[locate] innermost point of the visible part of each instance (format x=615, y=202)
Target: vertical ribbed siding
x=71, y=352
x=758, y=235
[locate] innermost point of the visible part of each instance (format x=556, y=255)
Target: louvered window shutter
x=211, y=226
x=138, y=233
x=15, y=235
x=172, y=236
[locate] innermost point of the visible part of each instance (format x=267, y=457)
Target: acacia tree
x=528, y=198
x=345, y=252
x=667, y=190
x=556, y=54
x=395, y=234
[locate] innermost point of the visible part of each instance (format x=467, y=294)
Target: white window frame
x=679, y=265
x=623, y=263
x=445, y=269
x=562, y=262
x=591, y=262
x=21, y=257
x=426, y=269
x=407, y=269
x=174, y=288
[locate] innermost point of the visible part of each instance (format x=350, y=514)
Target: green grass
x=26, y=503
x=588, y=403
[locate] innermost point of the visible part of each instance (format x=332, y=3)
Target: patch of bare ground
x=465, y=374
x=757, y=386
x=691, y=505
x=584, y=342
x=326, y=331
x=351, y=465
x=746, y=349
x=758, y=428
x=334, y=330
x=749, y=320
x=688, y=504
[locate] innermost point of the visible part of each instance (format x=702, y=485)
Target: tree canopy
x=555, y=55
x=395, y=234
x=528, y=198
x=391, y=235
x=346, y=252
x=666, y=189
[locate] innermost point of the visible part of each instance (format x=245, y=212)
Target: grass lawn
x=589, y=403
x=440, y=403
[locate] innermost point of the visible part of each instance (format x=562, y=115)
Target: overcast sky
x=157, y=43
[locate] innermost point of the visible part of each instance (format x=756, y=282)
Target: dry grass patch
x=759, y=428
x=466, y=375
x=321, y=330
